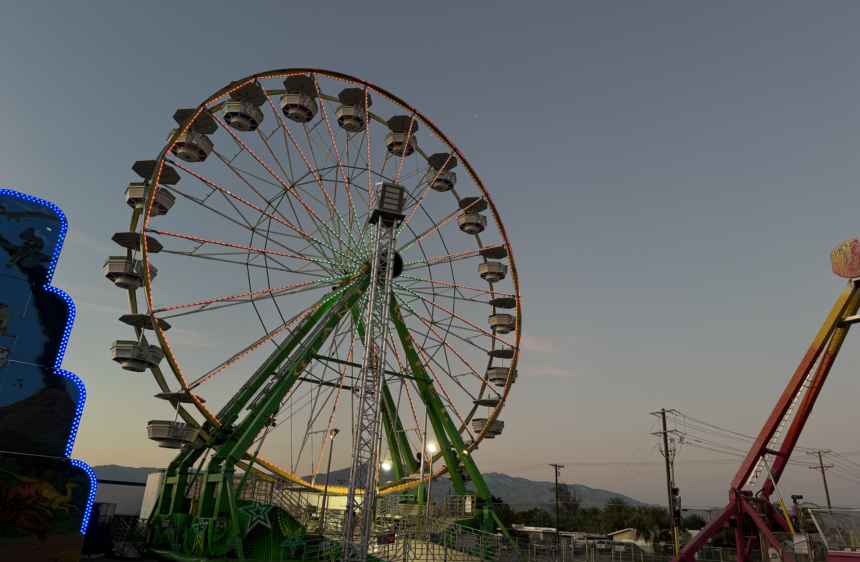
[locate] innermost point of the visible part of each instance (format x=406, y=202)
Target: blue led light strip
x=82, y=392
x=92, y=497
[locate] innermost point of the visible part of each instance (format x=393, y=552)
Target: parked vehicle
x=625, y=547
x=604, y=544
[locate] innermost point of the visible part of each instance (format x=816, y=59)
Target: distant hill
x=122, y=473
x=519, y=492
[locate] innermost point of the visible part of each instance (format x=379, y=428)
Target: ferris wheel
x=250, y=265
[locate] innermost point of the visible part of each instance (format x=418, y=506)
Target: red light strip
x=450, y=402
x=248, y=203
x=235, y=296
x=367, y=141
x=405, y=146
x=409, y=394
x=274, y=175
x=460, y=286
x=449, y=312
x=429, y=185
x=443, y=340
x=337, y=398
x=248, y=248
x=455, y=255
x=267, y=338
x=337, y=154
x=310, y=169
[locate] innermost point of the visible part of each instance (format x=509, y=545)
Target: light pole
x=431, y=448
x=331, y=434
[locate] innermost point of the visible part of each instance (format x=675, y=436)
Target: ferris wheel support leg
x=443, y=426
x=237, y=442
x=173, y=490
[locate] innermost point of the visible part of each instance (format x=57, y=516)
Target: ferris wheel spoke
x=245, y=263
x=272, y=153
x=268, y=337
x=493, y=292
x=403, y=157
x=403, y=382
x=449, y=346
x=310, y=169
x=451, y=257
x=450, y=402
x=429, y=185
x=254, y=296
x=273, y=174
x=334, y=406
x=337, y=155
x=250, y=250
x=495, y=337
x=444, y=294
x=262, y=212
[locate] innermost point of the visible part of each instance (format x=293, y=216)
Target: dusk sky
x=672, y=177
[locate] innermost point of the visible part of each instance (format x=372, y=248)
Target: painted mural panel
x=43, y=506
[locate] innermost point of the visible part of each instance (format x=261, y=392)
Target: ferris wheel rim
x=144, y=254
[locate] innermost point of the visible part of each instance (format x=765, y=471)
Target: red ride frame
x=829, y=341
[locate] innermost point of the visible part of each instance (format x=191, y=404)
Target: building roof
x=619, y=532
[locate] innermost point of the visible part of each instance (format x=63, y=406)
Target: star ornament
x=292, y=542
x=199, y=527
x=257, y=514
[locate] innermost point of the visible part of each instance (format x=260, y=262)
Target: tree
x=693, y=522
x=568, y=501
x=615, y=514
x=651, y=523
x=506, y=514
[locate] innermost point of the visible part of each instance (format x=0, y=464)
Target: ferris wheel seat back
x=495, y=427
x=136, y=356
x=441, y=180
x=503, y=323
x=241, y=115
x=397, y=145
x=499, y=375
x=351, y=118
x=492, y=271
x=352, y=113
x=172, y=435
x=136, y=194
x=191, y=146
x=123, y=272
x=472, y=223
x=440, y=177
x=300, y=108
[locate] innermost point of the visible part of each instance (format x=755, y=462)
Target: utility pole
x=557, y=467
x=669, y=484
x=822, y=467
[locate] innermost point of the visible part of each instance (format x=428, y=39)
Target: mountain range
x=521, y=493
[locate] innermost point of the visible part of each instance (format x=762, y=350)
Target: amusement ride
x=309, y=254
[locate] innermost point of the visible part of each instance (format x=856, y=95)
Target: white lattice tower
x=365, y=452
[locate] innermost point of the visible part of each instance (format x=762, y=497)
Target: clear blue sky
x=672, y=177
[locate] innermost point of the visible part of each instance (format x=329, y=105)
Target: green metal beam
x=220, y=468
x=435, y=409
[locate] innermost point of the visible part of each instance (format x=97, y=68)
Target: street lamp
x=331, y=434
x=431, y=448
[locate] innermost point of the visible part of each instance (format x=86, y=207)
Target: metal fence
x=129, y=535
